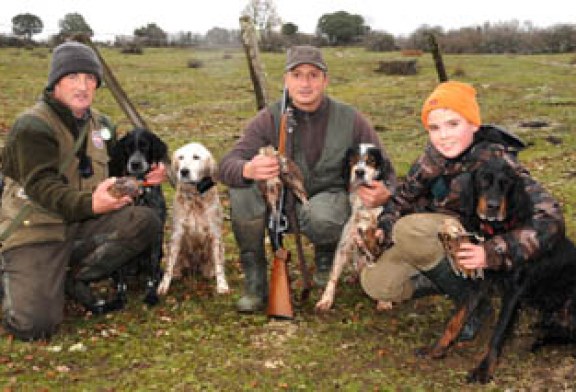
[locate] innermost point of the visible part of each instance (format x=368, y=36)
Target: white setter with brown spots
x=196, y=240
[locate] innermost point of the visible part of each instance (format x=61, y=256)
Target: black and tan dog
x=133, y=156
x=546, y=283
x=361, y=166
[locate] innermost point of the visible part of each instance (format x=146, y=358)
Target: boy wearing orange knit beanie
x=415, y=263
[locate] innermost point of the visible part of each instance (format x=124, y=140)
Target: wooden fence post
x=250, y=43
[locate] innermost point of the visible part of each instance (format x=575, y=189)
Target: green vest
x=326, y=175
x=42, y=225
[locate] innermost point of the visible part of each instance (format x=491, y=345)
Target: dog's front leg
x=452, y=330
x=484, y=372
x=343, y=254
x=219, y=260
x=175, y=244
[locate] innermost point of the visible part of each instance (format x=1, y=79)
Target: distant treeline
x=507, y=37
x=503, y=37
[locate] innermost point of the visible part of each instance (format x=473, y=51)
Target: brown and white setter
x=362, y=165
x=196, y=240
x=546, y=283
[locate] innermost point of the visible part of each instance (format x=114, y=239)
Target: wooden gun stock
x=279, y=296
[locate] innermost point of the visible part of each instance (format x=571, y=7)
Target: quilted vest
x=42, y=225
x=326, y=175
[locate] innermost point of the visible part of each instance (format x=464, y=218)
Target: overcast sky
x=108, y=18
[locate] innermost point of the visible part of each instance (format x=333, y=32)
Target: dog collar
x=491, y=229
x=204, y=185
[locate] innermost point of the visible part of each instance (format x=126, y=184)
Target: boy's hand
x=471, y=256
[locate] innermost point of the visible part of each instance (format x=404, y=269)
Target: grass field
x=194, y=339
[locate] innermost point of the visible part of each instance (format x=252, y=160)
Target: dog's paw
x=432, y=352
x=481, y=375
x=382, y=306
x=151, y=298
x=163, y=286
x=324, y=304
x=222, y=288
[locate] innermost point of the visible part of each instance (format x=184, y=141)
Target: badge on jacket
x=99, y=136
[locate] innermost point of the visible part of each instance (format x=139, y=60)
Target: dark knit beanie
x=72, y=57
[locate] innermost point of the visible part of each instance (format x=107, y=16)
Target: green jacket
x=41, y=139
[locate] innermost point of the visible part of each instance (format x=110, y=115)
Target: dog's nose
x=360, y=173
x=184, y=172
x=493, y=203
x=135, y=166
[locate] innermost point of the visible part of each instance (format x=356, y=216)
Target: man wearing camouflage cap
x=57, y=215
x=324, y=130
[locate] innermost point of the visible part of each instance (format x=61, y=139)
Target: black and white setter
x=362, y=165
x=547, y=283
x=133, y=156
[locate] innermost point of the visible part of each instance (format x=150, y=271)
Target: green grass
x=195, y=340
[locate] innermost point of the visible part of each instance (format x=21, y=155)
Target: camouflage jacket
x=435, y=184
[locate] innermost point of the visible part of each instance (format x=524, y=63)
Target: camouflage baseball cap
x=305, y=54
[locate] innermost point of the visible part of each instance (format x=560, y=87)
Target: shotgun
x=279, y=296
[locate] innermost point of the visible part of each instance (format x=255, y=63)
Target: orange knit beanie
x=458, y=96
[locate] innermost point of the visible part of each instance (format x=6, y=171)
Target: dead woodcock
x=290, y=177
x=452, y=234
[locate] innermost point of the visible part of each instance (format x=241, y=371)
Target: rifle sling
x=292, y=218
x=27, y=208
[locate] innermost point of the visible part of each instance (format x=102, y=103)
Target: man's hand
x=103, y=201
x=157, y=174
x=374, y=194
x=261, y=167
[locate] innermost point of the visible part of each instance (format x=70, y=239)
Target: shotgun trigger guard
x=278, y=225
x=282, y=224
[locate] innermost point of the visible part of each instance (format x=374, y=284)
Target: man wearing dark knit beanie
x=57, y=214
x=73, y=57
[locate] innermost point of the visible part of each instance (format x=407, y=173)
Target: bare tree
x=264, y=15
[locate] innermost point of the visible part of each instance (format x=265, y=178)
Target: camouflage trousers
x=34, y=276
x=416, y=248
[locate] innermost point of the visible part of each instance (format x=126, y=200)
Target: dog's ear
x=174, y=162
x=519, y=205
x=211, y=167
x=347, y=163
x=118, y=158
x=468, y=195
x=380, y=164
x=159, y=149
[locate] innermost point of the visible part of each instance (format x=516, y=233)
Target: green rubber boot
x=457, y=289
x=323, y=257
x=250, y=238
